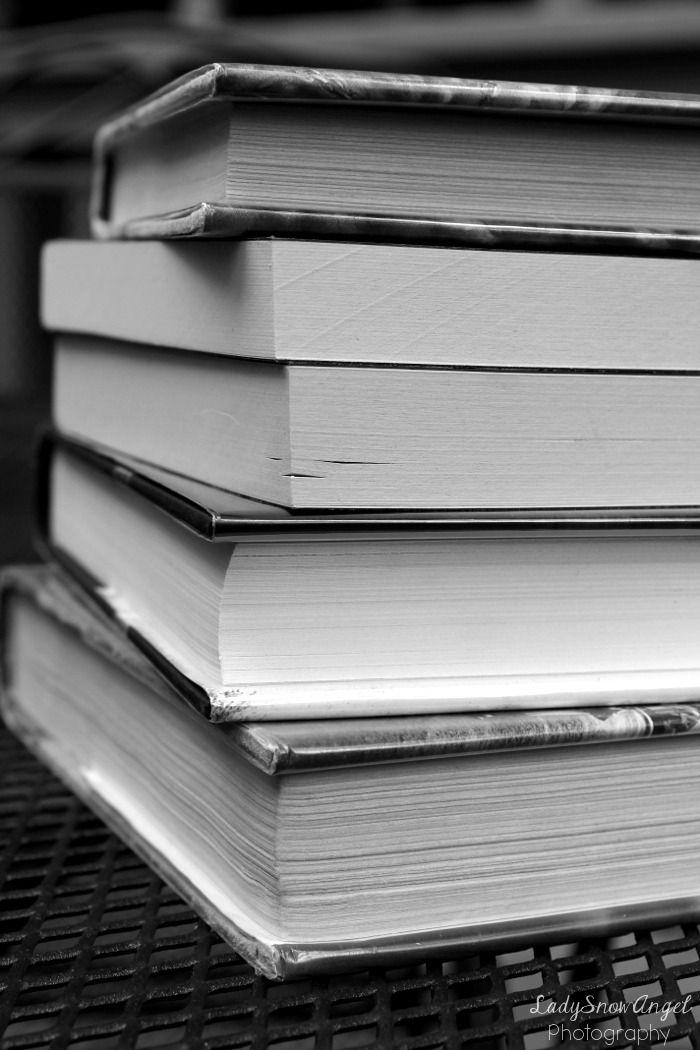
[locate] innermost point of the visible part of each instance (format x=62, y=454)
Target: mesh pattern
x=95, y=952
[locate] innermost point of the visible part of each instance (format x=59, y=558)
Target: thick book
x=322, y=436
x=291, y=618
x=246, y=149
x=328, y=301
x=326, y=846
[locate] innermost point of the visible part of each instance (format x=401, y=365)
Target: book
x=336, y=437
x=319, y=846
x=246, y=149
x=379, y=616
x=329, y=301
x=218, y=515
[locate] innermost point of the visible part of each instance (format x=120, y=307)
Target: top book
x=233, y=150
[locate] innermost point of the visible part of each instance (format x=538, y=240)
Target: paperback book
x=315, y=437
x=289, y=300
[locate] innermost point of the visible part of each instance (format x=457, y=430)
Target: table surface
x=95, y=952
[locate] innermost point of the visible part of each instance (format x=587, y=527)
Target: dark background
x=60, y=80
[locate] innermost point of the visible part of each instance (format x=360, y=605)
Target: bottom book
x=313, y=846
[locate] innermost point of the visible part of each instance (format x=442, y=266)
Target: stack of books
x=376, y=443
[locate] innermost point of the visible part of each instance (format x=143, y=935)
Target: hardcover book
x=247, y=149
x=315, y=301
x=256, y=618
x=324, y=846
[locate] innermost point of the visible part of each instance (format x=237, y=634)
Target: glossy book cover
x=608, y=125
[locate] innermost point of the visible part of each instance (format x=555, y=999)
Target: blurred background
x=60, y=79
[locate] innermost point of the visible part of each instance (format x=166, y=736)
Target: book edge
x=281, y=960
x=217, y=525
x=263, y=82
x=219, y=220
x=227, y=82
x=282, y=749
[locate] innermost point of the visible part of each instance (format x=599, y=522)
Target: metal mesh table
x=95, y=952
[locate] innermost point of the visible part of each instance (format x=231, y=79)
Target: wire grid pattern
x=96, y=953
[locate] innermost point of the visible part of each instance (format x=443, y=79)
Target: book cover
x=44, y=621
x=562, y=120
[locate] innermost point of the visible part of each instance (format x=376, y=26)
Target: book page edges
x=263, y=955
x=278, y=960
x=219, y=516
x=285, y=960
x=374, y=697
x=308, y=701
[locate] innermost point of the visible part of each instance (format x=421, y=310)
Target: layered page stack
x=375, y=377
x=324, y=845
x=409, y=518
